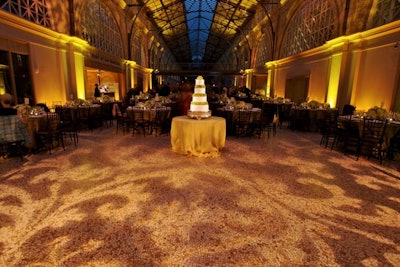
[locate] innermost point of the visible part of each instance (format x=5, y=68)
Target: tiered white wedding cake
x=199, y=106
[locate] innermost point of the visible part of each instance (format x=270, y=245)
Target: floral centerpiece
x=23, y=109
x=147, y=104
x=376, y=112
x=78, y=102
x=36, y=110
x=242, y=105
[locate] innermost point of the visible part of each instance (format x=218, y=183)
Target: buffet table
x=201, y=138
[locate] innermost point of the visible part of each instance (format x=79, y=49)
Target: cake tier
x=199, y=107
x=199, y=80
x=199, y=98
x=199, y=90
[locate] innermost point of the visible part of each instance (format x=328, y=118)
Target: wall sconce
x=35, y=68
x=156, y=71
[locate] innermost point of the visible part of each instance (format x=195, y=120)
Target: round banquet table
x=200, y=138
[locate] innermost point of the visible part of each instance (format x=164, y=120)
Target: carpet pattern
x=123, y=200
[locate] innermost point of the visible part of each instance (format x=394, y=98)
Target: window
x=137, y=47
x=35, y=10
x=100, y=30
x=312, y=26
x=386, y=11
x=264, y=51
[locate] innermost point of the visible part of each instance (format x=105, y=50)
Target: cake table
x=200, y=138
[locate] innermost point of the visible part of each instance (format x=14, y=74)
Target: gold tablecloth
x=200, y=138
x=34, y=124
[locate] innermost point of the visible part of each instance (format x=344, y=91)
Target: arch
x=136, y=47
x=313, y=23
x=386, y=11
x=264, y=50
x=99, y=28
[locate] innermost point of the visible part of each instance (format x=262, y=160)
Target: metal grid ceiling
x=199, y=31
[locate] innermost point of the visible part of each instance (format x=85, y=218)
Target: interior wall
x=297, y=89
x=48, y=86
x=260, y=84
x=371, y=69
x=316, y=67
x=377, y=78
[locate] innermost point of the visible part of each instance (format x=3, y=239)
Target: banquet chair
x=284, y=114
x=393, y=150
x=266, y=123
x=84, y=119
x=51, y=134
x=13, y=134
x=243, y=123
x=328, y=128
x=372, y=138
x=95, y=117
x=122, y=120
x=68, y=123
x=168, y=120
x=106, y=113
x=139, y=121
x=348, y=136
x=269, y=115
x=159, y=124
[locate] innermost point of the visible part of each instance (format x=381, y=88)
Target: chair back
x=138, y=115
x=244, y=116
x=161, y=114
x=52, y=122
x=394, y=146
x=268, y=113
x=331, y=120
x=284, y=111
x=83, y=113
x=373, y=130
x=372, y=137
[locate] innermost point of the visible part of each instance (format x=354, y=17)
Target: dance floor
x=123, y=200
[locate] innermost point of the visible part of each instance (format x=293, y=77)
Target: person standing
x=96, y=91
x=185, y=98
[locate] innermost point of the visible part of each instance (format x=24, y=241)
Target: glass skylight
x=199, y=16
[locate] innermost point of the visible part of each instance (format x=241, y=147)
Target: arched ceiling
x=198, y=32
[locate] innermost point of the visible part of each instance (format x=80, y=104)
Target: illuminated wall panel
x=46, y=75
x=79, y=75
x=319, y=71
x=316, y=68
x=377, y=78
x=334, y=79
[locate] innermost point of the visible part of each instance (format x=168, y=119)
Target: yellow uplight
x=80, y=79
x=334, y=78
